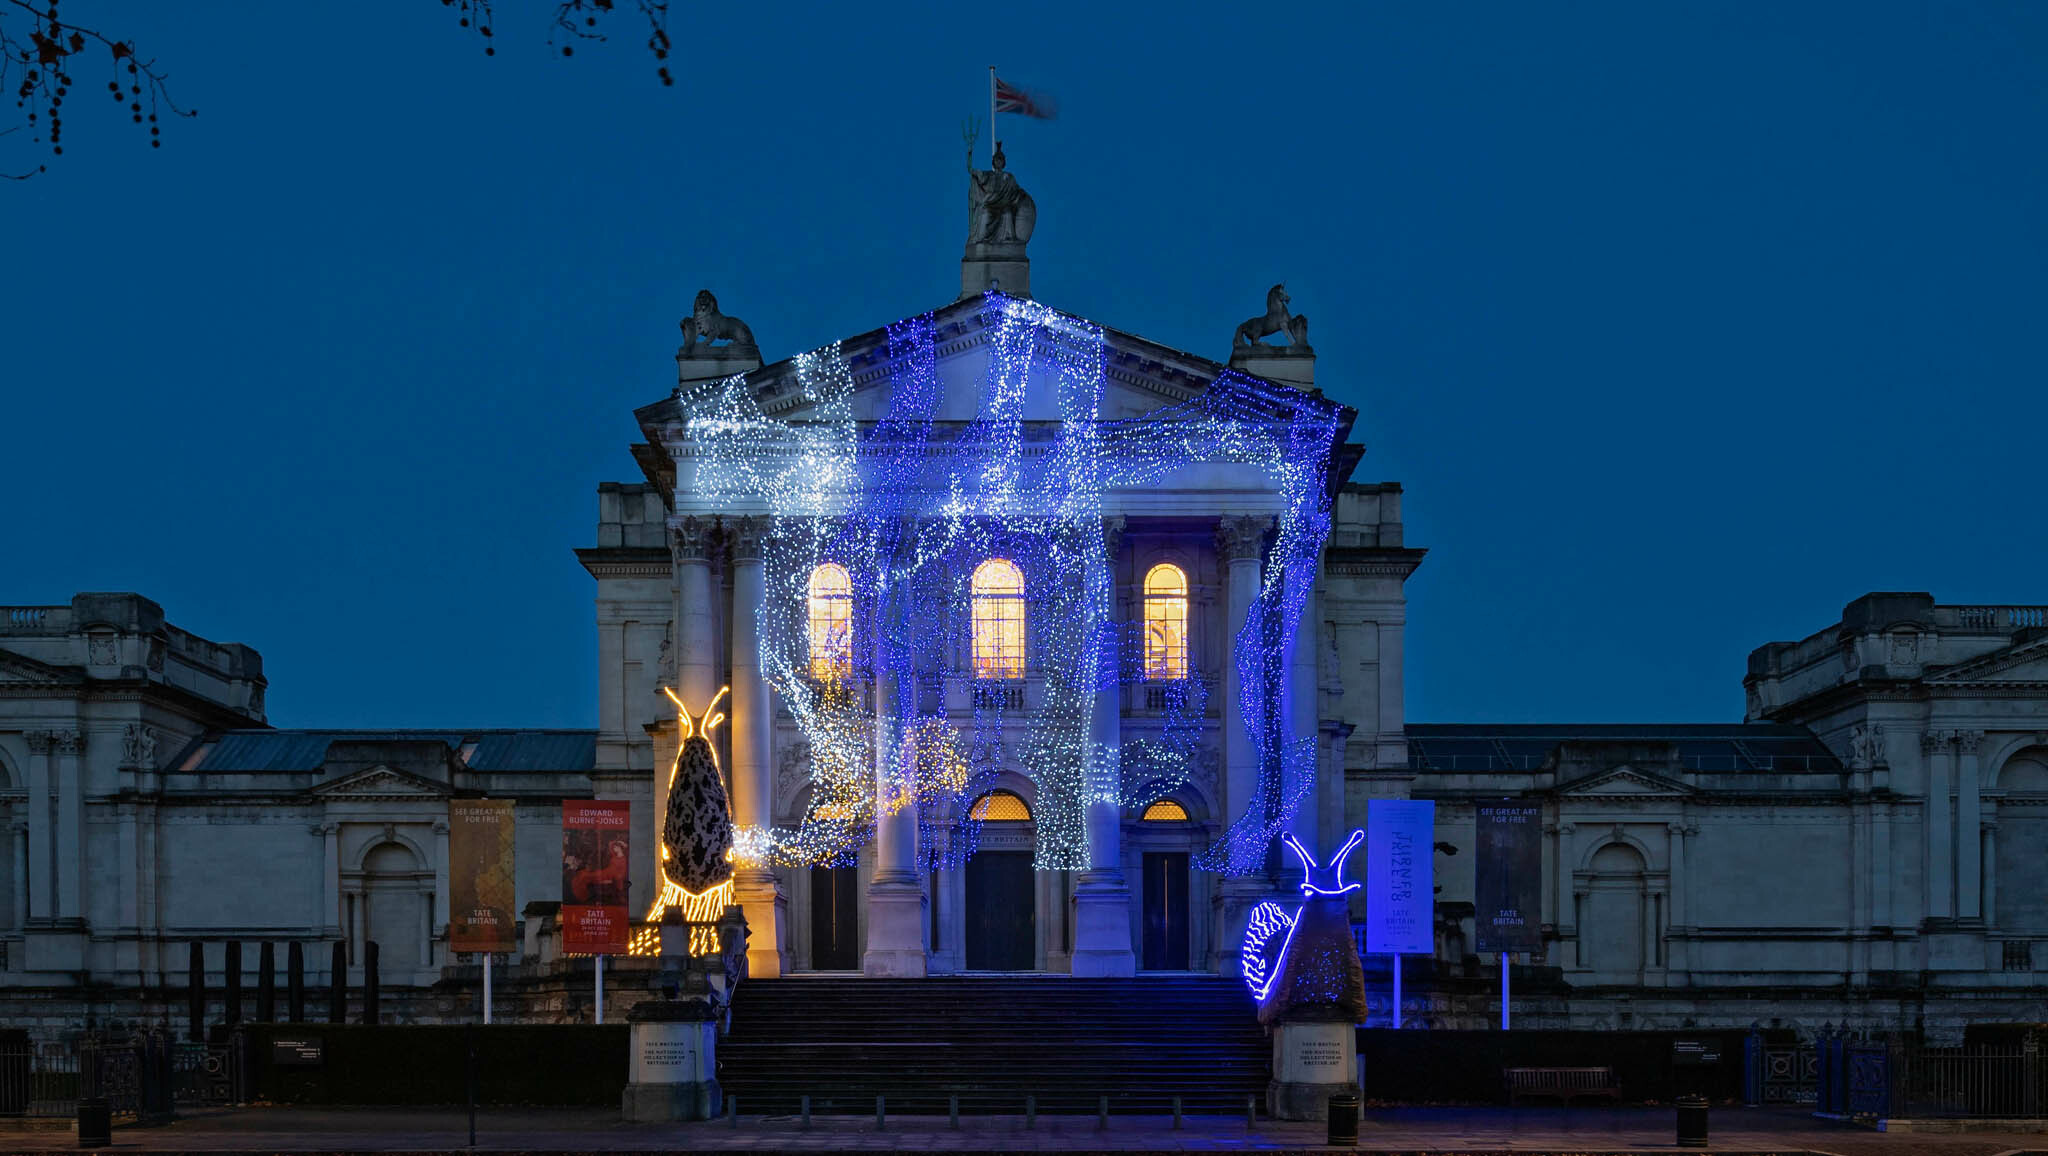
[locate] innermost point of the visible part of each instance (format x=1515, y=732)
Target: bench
x=1564, y=1084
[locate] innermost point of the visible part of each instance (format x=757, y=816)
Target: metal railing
x=1983, y=1080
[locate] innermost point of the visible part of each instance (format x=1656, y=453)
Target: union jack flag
x=1010, y=98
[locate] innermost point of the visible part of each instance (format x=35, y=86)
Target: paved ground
x=1580, y=1131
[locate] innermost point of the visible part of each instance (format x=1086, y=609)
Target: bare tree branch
x=38, y=69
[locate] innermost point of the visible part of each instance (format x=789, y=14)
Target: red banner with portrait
x=597, y=868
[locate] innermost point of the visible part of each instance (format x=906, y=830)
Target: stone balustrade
x=35, y=620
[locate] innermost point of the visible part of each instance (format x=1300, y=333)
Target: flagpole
x=991, y=116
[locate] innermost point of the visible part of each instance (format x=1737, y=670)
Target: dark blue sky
x=1682, y=324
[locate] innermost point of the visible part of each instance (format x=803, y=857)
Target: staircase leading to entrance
x=993, y=1041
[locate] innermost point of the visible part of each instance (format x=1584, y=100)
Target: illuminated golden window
x=1000, y=807
x=831, y=621
x=1164, y=811
x=1166, y=623
x=998, y=619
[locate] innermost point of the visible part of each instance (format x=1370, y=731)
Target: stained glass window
x=831, y=621
x=998, y=588
x=1166, y=623
x=1000, y=807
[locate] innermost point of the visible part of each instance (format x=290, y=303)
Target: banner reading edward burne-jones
x=480, y=891
x=1509, y=884
x=597, y=866
x=1400, y=882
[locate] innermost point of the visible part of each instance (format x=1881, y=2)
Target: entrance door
x=835, y=922
x=1166, y=911
x=999, y=911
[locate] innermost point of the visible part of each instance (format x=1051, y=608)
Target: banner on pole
x=480, y=891
x=1509, y=899
x=1400, y=880
x=596, y=872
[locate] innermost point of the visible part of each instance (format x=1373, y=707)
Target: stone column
x=1935, y=749
x=69, y=779
x=690, y=542
x=1301, y=698
x=441, y=891
x=1969, y=822
x=42, y=833
x=1990, y=869
x=1680, y=884
x=330, y=879
x=896, y=900
x=753, y=781
x=20, y=853
x=1102, y=902
x=1240, y=545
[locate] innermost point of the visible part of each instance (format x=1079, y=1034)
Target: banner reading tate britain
x=596, y=866
x=1510, y=870
x=1400, y=883
x=480, y=892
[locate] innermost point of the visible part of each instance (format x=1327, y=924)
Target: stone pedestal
x=767, y=910
x=1102, y=926
x=709, y=362
x=674, y=1062
x=897, y=919
x=1289, y=366
x=1311, y=1063
x=1005, y=265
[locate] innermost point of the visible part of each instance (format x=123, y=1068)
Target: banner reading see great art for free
x=480, y=891
x=1509, y=877
x=596, y=868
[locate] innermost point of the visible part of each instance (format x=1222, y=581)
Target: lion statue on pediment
x=707, y=324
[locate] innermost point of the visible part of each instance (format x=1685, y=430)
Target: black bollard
x=295, y=981
x=266, y=983
x=373, y=990
x=1343, y=1121
x=337, y=984
x=195, y=994
x=1692, y=1121
x=231, y=988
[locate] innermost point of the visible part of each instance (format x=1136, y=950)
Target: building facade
x=1033, y=637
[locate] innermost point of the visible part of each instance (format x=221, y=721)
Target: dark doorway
x=835, y=921
x=1166, y=911
x=999, y=911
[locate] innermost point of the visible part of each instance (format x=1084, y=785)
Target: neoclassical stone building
x=1036, y=634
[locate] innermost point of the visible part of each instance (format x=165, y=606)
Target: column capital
x=691, y=537
x=40, y=742
x=1112, y=534
x=68, y=742
x=747, y=533
x=1936, y=742
x=1969, y=742
x=1241, y=538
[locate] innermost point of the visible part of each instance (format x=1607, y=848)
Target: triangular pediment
x=1139, y=376
x=382, y=784
x=20, y=670
x=2024, y=663
x=1625, y=782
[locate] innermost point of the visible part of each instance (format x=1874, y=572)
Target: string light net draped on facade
x=965, y=546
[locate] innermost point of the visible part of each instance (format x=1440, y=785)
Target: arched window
x=1166, y=623
x=998, y=619
x=1164, y=811
x=1000, y=807
x=831, y=622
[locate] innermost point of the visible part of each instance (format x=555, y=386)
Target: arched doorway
x=396, y=911
x=1165, y=894
x=1001, y=916
x=1611, y=942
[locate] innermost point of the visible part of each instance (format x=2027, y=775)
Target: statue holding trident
x=1001, y=212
